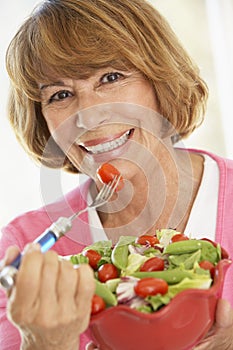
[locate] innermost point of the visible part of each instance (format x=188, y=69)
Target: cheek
x=63, y=131
x=52, y=126
x=148, y=97
x=144, y=95
x=54, y=120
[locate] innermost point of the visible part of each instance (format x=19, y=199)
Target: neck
x=160, y=197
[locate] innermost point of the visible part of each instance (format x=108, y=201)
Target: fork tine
x=115, y=183
x=108, y=189
x=102, y=191
x=110, y=186
x=102, y=197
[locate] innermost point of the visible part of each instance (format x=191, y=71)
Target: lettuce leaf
x=186, y=260
x=134, y=263
x=198, y=282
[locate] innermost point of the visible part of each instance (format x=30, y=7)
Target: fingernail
x=32, y=247
x=76, y=266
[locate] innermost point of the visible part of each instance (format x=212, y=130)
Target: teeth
x=109, y=146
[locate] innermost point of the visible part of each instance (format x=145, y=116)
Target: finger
x=67, y=280
x=46, y=306
x=28, y=277
x=85, y=283
x=50, y=270
x=11, y=253
x=66, y=289
x=206, y=345
x=31, y=247
x=224, y=314
x=24, y=294
x=84, y=293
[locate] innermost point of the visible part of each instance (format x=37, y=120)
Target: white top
x=202, y=220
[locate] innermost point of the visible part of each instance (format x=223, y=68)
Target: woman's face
x=102, y=118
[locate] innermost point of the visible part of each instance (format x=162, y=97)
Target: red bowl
x=178, y=326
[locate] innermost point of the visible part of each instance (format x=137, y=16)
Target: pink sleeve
x=9, y=335
x=225, y=220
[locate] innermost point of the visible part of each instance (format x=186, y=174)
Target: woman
x=106, y=81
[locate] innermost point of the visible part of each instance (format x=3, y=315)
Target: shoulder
x=26, y=227
x=64, y=206
x=224, y=164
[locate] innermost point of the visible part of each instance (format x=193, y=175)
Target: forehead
x=71, y=44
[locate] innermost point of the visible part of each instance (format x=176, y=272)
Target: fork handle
x=46, y=240
x=75, y=215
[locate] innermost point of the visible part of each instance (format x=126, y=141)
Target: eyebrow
x=56, y=83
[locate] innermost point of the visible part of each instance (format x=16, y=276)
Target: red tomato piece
x=207, y=265
x=150, y=286
x=107, y=272
x=93, y=257
x=107, y=172
x=179, y=237
x=147, y=239
x=153, y=264
x=98, y=304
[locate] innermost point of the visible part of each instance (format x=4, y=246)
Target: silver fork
x=64, y=224
x=58, y=229
x=102, y=197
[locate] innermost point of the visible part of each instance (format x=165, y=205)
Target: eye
x=60, y=95
x=111, y=77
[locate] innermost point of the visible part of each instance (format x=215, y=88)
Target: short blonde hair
x=73, y=38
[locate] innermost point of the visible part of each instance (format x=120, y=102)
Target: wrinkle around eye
x=118, y=76
x=64, y=94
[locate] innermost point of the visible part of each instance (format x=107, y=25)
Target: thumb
x=224, y=314
x=11, y=253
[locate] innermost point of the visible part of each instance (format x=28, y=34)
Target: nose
x=94, y=114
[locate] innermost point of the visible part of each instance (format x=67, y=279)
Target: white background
x=205, y=29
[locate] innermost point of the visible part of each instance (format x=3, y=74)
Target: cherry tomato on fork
x=107, y=172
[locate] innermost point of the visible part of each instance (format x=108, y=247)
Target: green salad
x=146, y=272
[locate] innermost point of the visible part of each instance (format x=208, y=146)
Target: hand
x=51, y=300
x=220, y=336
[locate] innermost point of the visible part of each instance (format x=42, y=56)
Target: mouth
x=108, y=146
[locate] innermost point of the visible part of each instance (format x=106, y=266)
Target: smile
x=110, y=145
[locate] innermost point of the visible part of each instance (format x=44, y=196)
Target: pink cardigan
x=27, y=227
